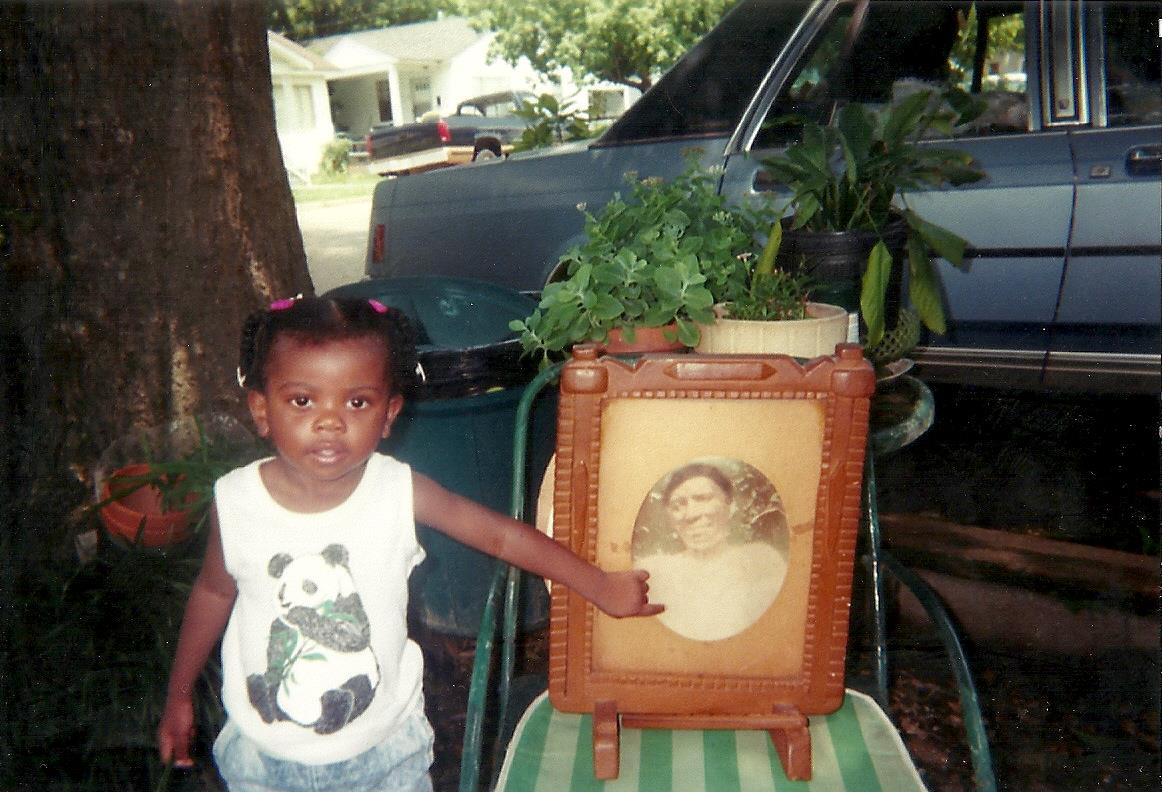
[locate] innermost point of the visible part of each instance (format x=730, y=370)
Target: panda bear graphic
x=320, y=670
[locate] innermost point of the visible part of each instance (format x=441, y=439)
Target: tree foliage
x=630, y=42
x=303, y=19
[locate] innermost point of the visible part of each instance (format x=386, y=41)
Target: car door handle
x=1145, y=160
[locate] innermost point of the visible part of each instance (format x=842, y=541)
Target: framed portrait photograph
x=735, y=482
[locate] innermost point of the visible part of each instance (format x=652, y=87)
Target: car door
x=1001, y=306
x=1106, y=330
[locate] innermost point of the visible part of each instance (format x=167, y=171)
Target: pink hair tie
x=282, y=305
x=377, y=306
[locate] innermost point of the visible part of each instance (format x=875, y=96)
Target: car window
x=1133, y=86
x=707, y=92
x=502, y=108
x=899, y=48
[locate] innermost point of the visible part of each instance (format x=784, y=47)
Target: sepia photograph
x=713, y=536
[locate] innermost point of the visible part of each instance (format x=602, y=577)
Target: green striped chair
x=854, y=748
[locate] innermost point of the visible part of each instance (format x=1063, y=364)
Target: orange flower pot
x=128, y=504
x=646, y=339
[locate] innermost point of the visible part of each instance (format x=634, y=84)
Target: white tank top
x=317, y=666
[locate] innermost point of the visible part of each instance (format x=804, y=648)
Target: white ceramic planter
x=805, y=338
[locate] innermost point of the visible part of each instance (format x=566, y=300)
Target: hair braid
x=251, y=329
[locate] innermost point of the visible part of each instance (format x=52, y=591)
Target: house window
x=421, y=97
x=294, y=108
x=304, y=107
x=606, y=103
x=282, y=108
x=383, y=96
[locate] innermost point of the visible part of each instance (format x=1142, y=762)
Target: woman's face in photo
x=700, y=513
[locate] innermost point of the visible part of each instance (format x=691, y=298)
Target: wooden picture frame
x=635, y=441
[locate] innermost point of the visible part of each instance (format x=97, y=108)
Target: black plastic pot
x=835, y=261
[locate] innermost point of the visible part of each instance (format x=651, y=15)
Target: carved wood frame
x=842, y=384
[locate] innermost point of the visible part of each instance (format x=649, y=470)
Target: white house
x=351, y=81
x=397, y=74
x=302, y=108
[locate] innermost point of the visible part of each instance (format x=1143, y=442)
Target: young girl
x=307, y=563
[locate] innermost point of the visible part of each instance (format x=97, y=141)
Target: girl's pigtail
x=250, y=332
x=404, y=361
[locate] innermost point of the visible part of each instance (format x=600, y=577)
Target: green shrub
x=336, y=156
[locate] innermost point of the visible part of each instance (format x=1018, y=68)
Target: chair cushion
x=854, y=748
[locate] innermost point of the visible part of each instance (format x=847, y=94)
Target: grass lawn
x=355, y=184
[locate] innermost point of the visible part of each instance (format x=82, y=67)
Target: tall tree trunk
x=145, y=210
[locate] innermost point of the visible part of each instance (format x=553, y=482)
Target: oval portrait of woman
x=713, y=536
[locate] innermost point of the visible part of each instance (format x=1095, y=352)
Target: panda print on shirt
x=321, y=672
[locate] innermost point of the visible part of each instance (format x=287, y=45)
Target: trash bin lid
x=462, y=336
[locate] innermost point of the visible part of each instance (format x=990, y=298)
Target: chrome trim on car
x=1064, y=103
x=1095, y=372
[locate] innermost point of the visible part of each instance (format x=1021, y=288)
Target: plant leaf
x=923, y=290
x=856, y=134
x=946, y=244
x=875, y=287
x=606, y=307
x=689, y=333
x=904, y=117
x=770, y=252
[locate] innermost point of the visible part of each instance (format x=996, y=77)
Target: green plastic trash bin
x=459, y=430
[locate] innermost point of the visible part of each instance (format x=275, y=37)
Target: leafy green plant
x=664, y=256
x=771, y=294
x=550, y=121
x=852, y=175
x=336, y=156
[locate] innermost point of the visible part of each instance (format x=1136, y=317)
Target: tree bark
x=145, y=211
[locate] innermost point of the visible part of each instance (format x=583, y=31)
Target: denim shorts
x=399, y=764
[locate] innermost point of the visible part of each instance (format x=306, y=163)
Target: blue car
x=1062, y=288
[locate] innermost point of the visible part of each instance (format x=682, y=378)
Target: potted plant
x=773, y=313
x=847, y=183
x=159, y=484
x=655, y=263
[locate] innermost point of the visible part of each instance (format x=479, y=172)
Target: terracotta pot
x=646, y=339
x=816, y=335
x=135, y=503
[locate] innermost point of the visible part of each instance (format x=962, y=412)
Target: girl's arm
x=616, y=593
x=207, y=611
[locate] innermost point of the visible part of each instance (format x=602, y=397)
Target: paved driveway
x=335, y=239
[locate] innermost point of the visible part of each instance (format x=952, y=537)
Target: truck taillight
x=367, y=143
x=443, y=131
x=378, y=243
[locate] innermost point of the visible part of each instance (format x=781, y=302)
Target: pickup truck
x=1062, y=288
x=481, y=127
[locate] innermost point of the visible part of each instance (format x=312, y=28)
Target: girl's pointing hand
x=627, y=594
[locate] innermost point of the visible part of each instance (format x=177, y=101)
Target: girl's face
x=325, y=407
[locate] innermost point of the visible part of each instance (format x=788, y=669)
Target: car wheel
x=486, y=152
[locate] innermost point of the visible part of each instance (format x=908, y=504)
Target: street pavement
x=335, y=239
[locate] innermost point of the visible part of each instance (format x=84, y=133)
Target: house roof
x=435, y=40
x=296, y=56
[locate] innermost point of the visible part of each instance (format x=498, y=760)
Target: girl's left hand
x=627, y=594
